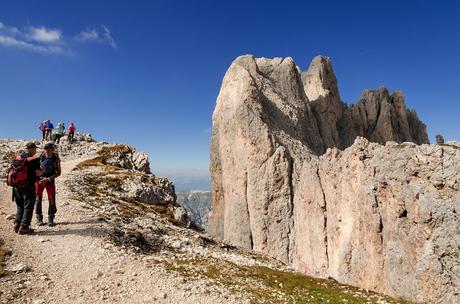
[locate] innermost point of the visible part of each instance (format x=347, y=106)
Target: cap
x=31, y=145
x=49, y=145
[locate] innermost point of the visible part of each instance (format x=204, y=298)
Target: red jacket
x=71, y=128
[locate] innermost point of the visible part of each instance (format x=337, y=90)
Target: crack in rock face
x=351, y=192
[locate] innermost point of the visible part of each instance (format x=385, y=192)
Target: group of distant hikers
x=50, y=133
x=30, y=174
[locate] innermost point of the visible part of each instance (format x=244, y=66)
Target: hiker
x=42, y=128
x=49, y=130
x=59, y=132
x=22, y=176
x=50, y=165
x=71, y=133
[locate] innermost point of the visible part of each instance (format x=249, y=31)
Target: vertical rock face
x=321, y=89
x=379, y=217
x=262, y=112
x=392, y=222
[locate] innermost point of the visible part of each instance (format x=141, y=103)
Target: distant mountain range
x=198, y=205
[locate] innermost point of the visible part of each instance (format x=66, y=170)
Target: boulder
x=141, y=162
x=148, y=190
x=182, y=217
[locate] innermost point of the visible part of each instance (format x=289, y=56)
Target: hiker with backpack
x=22, y=176
x=71, y=133
x=59, y=132
x=43, y=130
x=50, y=164
x=49, y=130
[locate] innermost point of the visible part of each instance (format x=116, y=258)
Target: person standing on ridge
x=49, y=130
x=42, y=128
x=50, y=165
x=59, y=132
x=22, y=176
x=71, y=133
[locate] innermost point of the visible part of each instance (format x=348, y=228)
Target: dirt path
x=74, y=263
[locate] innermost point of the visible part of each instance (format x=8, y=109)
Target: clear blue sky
x=148, y=72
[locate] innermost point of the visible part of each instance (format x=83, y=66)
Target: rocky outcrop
x=377, y=116
x=381, y=117
x=374, y=216
x=322, y=91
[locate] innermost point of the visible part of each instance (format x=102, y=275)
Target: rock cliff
x=382, y=217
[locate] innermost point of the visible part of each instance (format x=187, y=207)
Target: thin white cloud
x=45, y=35
x=108, y=37
x=101, y=35
x=50, y=40
x=87, y=35
x=13, y=42
x=31, y=39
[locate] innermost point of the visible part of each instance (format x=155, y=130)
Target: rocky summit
x=354, y=193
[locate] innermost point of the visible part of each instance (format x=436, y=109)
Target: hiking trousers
x=49, y=134
x=51, y=191
x=57, y=138
x=70, y=137
x=24, y=198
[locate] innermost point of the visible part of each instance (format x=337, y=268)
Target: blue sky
x=148, y=72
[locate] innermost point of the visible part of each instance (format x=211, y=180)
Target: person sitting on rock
x=59, y=132
x=24, y=190
x=50, y=165
x=71, y=133
x=49, y=130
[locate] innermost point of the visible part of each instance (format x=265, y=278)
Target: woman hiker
x=50, y=164
x=71, y=133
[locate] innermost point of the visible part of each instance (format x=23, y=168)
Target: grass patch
x=112, y=181
x=404, y=145
x=267, y=285
x=3, y=254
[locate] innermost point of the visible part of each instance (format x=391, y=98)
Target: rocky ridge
x=122, y=238
x=381, y=215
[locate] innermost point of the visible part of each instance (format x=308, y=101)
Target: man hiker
x=42, y=129
x=22, y=176
x=49, y=130
x=50, y=165
x=71, y=133
x=59, y=132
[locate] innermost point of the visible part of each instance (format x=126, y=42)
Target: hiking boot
x=16, y=228
x=40, y=220
x=51, y=222
x=25, y=230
